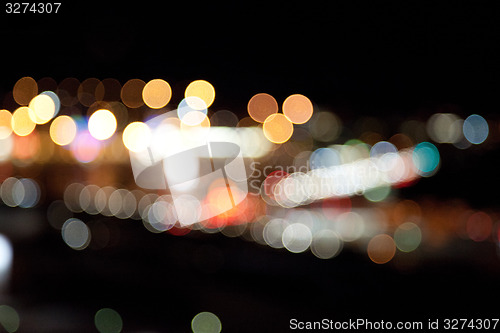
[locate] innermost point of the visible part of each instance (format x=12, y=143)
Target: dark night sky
x=373, y=55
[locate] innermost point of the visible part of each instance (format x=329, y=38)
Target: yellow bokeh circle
x=278, y=128
x=201, y=89
x=156, y=93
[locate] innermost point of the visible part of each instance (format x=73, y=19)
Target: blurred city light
x=298, y=108
x=137, y=136
x=201, y=89
x=206, y=322
x=261, y=106
x=299, y=179
x=102, y=124
x=24, y=90
x=278, y=128
x=475, y=129
x=9, y=318
x=75, y=234
x=43, y=107
x=108, y=321
x=156, y=93
x=63, y=130
x=22, y=123
x=6, y=259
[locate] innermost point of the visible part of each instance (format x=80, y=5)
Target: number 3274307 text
x=32, y=7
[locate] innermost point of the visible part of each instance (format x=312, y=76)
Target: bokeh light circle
x=377, y=194
x=131, y=93
x=156, y=93
x=107, y=320
x=444, y=127
x=326, y=244
x=67, y=90
x=85, y=148
x=9, y=318
x=201, y=89
x=350, y=226
x=137, y=136
x=102, y=124
x=206, y=322
x=24, y=90
x=195, y=119
x=273, y=232
x=71, y=197
x=192, y=110
x=75, y=234
x=224, y=118
x=87, y=200
x=261, y=106
x=407, y=237
x=297, y=237
x=381, y=248
x=325, y=126
x=382, y=147
x=26, y=193
x=278, y=128
x=426, y=158
x=6, y=255
x=63, y=130
x=298, y=108
x=43, y=108
x=58, y=213
x=89, y=91
x=5, y=124
x=6, y=148
x=21, y=123
x=475, y=129
x=55, y=99
x=324, y=158
x=479, y=226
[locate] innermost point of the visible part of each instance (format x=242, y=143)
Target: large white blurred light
x=102, y=124
x=6, y=256
x=187, y=167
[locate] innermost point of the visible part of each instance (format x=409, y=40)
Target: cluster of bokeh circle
x=96, y=110
x=278, y=127
x=108, y=320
